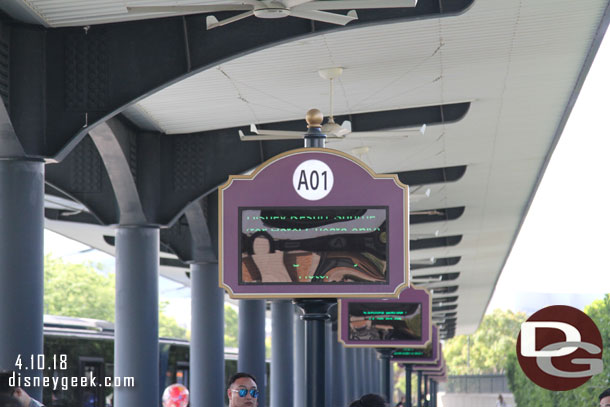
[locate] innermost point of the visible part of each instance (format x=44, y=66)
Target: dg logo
x=559, y=348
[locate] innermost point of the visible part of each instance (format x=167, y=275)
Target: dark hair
x=8, y=401
x=606, y=393
x=4, y=382
x=369, y=400
x=239, y=375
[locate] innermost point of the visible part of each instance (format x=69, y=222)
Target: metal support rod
x=350, y=368
x=419, y=398
x=136, y=345
x=315, y=315
x=251, y=342
x=340, y=379
x=21, y=264
x=207, y=366
x=328, y=362
x=433, y=390
x=426, y=391
x=282, y=368
x=385, y=379
x=299, y=360
x=408, y=372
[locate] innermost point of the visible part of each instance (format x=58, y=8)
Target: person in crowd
x=8, y=401
x=369, y=400
x=242, y=390
x=500, y=402
x=402, y=402
x=604, y=398
x=17, y=393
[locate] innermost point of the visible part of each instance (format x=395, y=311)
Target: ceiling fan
x=330, y=128
x=308, y=9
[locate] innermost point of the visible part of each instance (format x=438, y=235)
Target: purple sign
x=437, y=368
x=386, y=322
x=313, y=223
x=429, y=355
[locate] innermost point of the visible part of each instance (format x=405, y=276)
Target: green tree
x=485, y=351
x=84, y=291
x=230, y=326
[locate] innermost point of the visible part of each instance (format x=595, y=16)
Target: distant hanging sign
x=313, y=223
x=430, y=355
x=404, y=321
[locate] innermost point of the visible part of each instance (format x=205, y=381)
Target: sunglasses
x=244, y=392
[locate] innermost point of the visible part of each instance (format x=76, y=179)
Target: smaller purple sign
x=387, y=322
x=429, y=355
x=437, y=368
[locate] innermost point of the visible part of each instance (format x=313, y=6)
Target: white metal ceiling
x=517, y=61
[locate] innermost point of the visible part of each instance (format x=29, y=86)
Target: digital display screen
x=413, y=353
x=322, y=245
x=384, y=321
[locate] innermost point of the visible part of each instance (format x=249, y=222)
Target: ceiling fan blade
x=262, y=136
x=187, y=9
x=212, y=22
x=354, y=4
x=294, y=3
x=289, y=133
x=322, y=16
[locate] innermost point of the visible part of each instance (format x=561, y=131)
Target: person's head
x=242, y=390
x=16, y=393
x=369, y=400
x=8, y=401
x=604, y=398
x=500, y=397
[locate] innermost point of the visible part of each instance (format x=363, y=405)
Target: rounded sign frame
x=260, y=190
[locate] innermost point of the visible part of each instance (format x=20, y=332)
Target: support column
x=408, y=391
x=21, y=264
x=282, y=366
x=368, y=370
x=339, y=377
x=136, y=345
x=328, y=363
x=350, y=377
x=299, y=360
x=419, y=396
x=207, y=365
x=426, y=391
x=376, y=373
x=358, y=384
x=386, y=375
x=251, y=342
x=433, y=390
x=315, y=315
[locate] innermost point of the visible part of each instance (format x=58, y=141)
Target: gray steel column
x=408, y=391
x=369, y=369
x=363, y=373
x=328, y=363
x=426, y=390
x=358, y=385
x=350, y=376
x=315, y=313
x=299, y=359
x=207, y=365
x=433, y=393
x=386, y=374
x=21, y=264
x=136, y=345
x=339, y=377
x=251, y=343
x=282, y=368
x=419, y=396
x=377, y=372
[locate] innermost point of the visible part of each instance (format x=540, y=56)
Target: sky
x=559, y=255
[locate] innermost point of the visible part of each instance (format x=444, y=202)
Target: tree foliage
x=527, y=394
x=486, y=351
x=82, y=290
